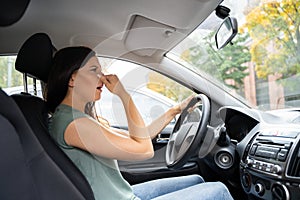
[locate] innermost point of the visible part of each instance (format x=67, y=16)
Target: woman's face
x=87, y=83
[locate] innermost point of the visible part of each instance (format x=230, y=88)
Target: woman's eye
x=94, y=69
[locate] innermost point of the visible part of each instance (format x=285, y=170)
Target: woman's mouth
x=99, y=88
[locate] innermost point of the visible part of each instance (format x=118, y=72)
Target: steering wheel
x=188, y=133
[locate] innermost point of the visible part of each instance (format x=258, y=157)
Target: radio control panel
x=269, y=164
x=268, y=154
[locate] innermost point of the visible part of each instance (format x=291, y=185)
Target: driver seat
x=34, y=60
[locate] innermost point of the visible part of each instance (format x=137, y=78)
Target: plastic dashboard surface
x=269, y=148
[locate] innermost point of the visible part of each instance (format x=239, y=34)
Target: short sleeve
x=59, y=122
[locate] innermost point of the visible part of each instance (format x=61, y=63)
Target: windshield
x=262, y=65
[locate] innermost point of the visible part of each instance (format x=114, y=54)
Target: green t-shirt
x=102, y=173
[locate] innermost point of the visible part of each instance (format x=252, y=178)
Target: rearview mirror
x=226, y=32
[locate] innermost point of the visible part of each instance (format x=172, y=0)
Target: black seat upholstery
x=35, y=56
x=26, y=170
x=35, y=109
x=12, y=11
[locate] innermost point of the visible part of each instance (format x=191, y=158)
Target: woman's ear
x=72, y=80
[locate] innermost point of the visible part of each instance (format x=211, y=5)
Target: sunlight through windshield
x=262, y=66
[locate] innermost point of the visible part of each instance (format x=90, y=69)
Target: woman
x=75, y=83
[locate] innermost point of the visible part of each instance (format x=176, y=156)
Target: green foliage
x=167, y=87
x=233, y=57
x=9, y=76
x=275, y=33
x=227, y=64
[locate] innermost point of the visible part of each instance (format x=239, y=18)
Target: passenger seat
x=26, y=170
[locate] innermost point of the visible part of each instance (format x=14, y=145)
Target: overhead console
x=270, y=164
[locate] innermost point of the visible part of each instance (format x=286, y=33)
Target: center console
x=270, y=165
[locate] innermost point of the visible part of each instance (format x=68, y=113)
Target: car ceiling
x=137, y=29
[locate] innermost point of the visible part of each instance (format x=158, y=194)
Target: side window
x=150, y=106
x=11, y=80
x=152, y=92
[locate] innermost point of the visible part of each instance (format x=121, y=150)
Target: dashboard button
x=249, y=162
x=276, y=169
x=282, y=154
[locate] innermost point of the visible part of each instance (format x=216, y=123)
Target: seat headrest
x=11, y=11
x=35, y=56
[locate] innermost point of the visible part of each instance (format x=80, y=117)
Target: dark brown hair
x=65, y=62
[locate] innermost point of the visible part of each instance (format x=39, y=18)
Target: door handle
x=162, y=139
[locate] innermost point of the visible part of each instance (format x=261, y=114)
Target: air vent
x=247, y=149
x=294, y=167
x=279, y=191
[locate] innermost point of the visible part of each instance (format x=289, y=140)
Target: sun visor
x=145, y=36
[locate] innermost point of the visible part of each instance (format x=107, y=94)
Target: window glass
x=261, y=67
x=11, y=80
x=152, y=92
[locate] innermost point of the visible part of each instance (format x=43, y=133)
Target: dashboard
x=268, y=146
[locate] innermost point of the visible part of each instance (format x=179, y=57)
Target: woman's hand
x=161, y=122
x=182, y=105
x=113, y=84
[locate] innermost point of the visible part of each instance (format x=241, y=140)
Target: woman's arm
x=98, y=139
x=136, y=144
x=90, y=135
x=136, y=126
x=161, y=122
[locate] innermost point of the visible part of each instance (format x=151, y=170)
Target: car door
x=153, y=95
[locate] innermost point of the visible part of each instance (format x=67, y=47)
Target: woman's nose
x=99, y=75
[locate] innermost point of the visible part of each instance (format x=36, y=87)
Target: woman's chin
x=97, y=97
